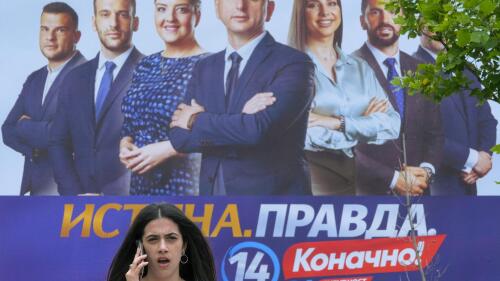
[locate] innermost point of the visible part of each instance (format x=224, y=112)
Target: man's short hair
x=364, y=4
x=132, y=3
x=61, y=8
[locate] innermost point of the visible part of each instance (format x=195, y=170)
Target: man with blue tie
x=84, y=142
x=470, y=131
x=248, y=152
x=408, y=164
x=27, y=126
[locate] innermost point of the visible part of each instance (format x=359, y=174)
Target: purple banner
x=266, y=239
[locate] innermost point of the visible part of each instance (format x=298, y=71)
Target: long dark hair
x=200, y=266
x=297, y=31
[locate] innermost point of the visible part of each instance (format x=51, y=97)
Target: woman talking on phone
x=349, y=107
x=162, y=244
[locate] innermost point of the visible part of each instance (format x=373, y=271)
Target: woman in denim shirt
x=349, y=107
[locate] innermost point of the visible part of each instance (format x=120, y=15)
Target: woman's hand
x=376, y=105
x=136, y=267
x=316, y=120
x=147, y=157
x=126, y=147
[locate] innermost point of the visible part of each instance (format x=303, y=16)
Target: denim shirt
x=356, y=85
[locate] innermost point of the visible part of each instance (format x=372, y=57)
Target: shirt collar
x=60, y=67
x=246, y=50
x=380, y=56
x=341, y=60
x=119, y=60
x=431, y=53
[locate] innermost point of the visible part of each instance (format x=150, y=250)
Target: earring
x=184, y=259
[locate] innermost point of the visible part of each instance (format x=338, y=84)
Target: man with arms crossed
x=247, y=151
x=408, y=163
x=85, y=137
x=27, y=126
x=470, y=131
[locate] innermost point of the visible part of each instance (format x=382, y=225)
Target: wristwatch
x=342, y=123
x=430, y=175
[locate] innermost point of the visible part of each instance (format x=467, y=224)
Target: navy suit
x=84, y=151
x=421, y=135
x=465, y=125
x=262, y=153
x=31, y=137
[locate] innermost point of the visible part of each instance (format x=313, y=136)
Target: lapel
x=367, y=55
x=423, y=55
x=411, y=101
x=87, y=88
x=259, y=54
x=77, y=58
x=219, y=98
x=122, y=80
x=35, y=103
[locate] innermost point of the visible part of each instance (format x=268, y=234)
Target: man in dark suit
x=247, y=152
x=84, y=143
x=469, y=130
x=408, y=163
x=27, y=126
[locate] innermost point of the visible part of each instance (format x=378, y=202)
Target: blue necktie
x=398, y=92
x=232, y=76
x=104, y=87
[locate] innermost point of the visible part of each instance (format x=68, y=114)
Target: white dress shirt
x=119, y=61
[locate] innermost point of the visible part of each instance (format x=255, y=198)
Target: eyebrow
x=168, y=234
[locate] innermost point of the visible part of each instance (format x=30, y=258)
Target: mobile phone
x=141, y=252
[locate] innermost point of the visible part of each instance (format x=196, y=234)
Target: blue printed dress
x=158, y=87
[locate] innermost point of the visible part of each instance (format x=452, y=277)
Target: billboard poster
x=262, y=238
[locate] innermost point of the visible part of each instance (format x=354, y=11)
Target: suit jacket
x=420, y=135
x=262, y=153
x=84, y=151
x=465, y=125
x=31, y=137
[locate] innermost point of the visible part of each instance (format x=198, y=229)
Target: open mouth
x=163, y=262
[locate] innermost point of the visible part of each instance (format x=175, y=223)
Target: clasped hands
x=412, y=180
x=482, y=167
x=142, y=160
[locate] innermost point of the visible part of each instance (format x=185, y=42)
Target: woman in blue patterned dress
x=158, y=86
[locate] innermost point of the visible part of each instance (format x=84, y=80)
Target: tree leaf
x=463, y=38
